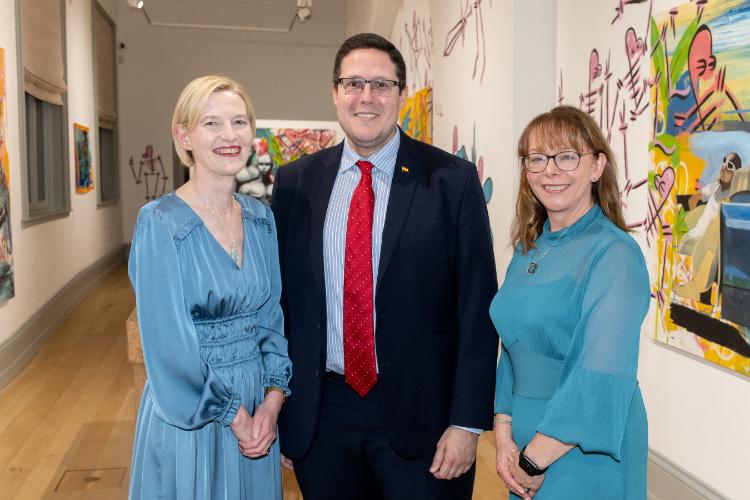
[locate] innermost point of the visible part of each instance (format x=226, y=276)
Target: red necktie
x=359, y=337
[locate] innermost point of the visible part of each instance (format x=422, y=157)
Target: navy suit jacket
x=436, y=347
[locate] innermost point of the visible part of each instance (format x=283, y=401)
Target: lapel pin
x=405, y=169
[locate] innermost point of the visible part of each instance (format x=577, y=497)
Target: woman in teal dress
x=204, y=266
x=569, y=418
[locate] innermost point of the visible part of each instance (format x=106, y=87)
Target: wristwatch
x=528, y=465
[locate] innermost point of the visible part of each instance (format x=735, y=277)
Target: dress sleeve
x=504, y=384
x=273, y=344
x=598, y=380
x=186, y=392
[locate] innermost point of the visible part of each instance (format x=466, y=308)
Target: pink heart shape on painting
x=664, y=182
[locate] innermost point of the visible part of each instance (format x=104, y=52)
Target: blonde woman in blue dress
x=205, y=269
x=569, y=418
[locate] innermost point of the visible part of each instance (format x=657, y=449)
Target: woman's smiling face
x=566, y=195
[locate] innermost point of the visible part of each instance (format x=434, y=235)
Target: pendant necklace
x=535, y=263
x=233, y=246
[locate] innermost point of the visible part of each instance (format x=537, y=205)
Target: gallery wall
x=487, y=82
x=48, y=255
x=488, y=79
x=698, y=410
x=288, y=76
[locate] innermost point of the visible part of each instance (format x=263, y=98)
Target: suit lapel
x=405, y=177
x=322, y=186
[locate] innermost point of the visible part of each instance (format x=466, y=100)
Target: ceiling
x=251, y=15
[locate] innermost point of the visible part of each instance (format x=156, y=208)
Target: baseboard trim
x=18, y=350
x=667, y=480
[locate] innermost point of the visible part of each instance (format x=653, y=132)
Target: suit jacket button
x=317, y=373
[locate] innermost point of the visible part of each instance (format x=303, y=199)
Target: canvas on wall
x=277, y=143
x=84, y=174
x=412, y=34
x=699, y=180
x=7, y=288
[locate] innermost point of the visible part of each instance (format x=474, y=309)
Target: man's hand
x=456, y=452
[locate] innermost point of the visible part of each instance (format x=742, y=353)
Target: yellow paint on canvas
x=415, y=117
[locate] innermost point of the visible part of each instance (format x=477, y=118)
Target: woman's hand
x=263, y=427
x=242, y=426
x=505, y=459
x=530, y=484
x=506, y=453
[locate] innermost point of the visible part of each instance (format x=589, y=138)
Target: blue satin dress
x=570, y=335
x=212, y=340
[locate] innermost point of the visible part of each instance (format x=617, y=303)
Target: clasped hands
x=256, y=433
x=515, y=478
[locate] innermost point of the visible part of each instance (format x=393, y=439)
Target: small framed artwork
x=84, y=172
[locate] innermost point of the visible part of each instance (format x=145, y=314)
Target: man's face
x=726, y=174
x=368, y=120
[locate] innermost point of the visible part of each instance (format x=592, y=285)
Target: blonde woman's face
x=566, y=195
x=221, y=139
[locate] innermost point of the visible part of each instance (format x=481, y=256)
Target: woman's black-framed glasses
x=566, y=161
x=354, y=86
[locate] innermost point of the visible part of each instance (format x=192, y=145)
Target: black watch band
x=528, y=466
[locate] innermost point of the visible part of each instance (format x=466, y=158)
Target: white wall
x=48, y=255
x=698, y=412
x=288, y=76
x=369, y=16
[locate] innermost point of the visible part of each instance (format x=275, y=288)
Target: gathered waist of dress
x=226, y=330
x=534, y=375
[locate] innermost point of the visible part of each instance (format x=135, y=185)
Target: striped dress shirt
x=334, y=236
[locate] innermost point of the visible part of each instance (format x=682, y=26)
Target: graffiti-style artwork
x=150, y=173
x=413, y=31
x=699, y=181
x=84, y=174
x=7, y=287
x=273, y=148
x=415, y=117
x=618, y=100
x=415, y=42
x=469, y=10
x=460, y=151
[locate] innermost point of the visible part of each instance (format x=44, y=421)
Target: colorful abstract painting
x=7, y=289
x=84, y=174
x=699, y=179
x=415, y=116
x=274, y=147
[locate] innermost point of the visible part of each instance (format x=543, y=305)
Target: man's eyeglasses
x=355, y=86
x=565, y=161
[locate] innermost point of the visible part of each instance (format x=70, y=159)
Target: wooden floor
x=66, y=422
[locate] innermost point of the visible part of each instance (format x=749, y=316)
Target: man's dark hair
x=370, y=41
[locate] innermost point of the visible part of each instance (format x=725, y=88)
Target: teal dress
x=212, y=340
x=567, y=370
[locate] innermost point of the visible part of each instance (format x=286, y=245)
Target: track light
x=304, y=9
x=136, y=4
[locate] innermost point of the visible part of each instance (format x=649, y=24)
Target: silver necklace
x=535, y=263
x=234, y=252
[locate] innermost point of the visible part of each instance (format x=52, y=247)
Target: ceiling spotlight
x=136, y=4
x=304, y=9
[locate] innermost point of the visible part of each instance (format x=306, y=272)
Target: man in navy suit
x=388, y=273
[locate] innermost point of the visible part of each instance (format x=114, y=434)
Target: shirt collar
x=383, y=159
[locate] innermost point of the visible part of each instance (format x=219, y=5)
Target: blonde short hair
x=192, y=101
